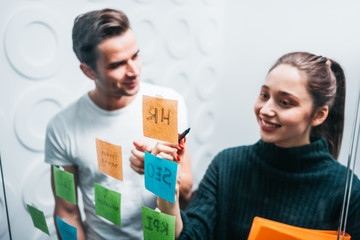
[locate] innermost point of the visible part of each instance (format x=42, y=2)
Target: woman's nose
x=268, y=109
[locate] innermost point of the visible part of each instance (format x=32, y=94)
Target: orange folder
x=264, y=229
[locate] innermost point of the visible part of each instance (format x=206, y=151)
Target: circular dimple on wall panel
x=207, y=34
x=204, y=125
x=179, y=78
x=36, y=124
x=32, y=114
x=37, y=50
x=36, y=188
x=149, y=76
x=146, y=35
x=178, y=36
x=33, y=42
x=206, y=79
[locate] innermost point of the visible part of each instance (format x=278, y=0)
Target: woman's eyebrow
x=286, y=94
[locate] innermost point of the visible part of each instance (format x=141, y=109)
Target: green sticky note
x=107, y=204
x=38, y=219
x=64, y=185
x=157, y=225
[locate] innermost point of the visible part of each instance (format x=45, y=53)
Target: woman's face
x=284, y=108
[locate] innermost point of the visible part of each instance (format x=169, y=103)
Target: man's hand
x=138, y=155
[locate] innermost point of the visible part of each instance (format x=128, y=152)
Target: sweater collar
x=294, y=159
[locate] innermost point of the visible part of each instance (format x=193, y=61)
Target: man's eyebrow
x=118, y=63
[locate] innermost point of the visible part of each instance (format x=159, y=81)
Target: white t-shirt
x=70, y=140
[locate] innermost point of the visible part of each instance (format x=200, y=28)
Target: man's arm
x=66, y=210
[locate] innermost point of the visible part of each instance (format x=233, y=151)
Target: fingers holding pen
x=167, y=151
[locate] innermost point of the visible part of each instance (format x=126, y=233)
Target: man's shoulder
x=68, y=114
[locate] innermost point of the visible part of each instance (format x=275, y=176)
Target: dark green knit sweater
x=301, y=186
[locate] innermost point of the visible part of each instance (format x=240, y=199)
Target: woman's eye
x=285, y=102
x=264, y=96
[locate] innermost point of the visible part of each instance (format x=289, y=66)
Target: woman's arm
x=137, y=164
x=198, y=222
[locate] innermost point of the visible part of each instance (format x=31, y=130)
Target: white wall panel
x=180, y=48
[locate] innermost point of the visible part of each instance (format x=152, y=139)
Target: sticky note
x=109, y=159
x=160, y=176
x=107, y=204
x=67, y=231
x=38, y=219
x=64, y=185
x=160, y=118
x=157, y=225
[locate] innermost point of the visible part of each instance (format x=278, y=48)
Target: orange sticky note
x=160, y=119
x=109, y=159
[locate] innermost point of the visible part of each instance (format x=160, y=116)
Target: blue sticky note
x=67, y=231
x=160, y=176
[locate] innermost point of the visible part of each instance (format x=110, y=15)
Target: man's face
x=118, y=66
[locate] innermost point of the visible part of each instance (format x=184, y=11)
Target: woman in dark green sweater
x=290, y=175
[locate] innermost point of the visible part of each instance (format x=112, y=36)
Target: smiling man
x=106, y=47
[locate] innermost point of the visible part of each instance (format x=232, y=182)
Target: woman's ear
x=320, y=116
x=88, y=71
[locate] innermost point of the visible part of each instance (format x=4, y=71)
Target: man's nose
x=133, y=69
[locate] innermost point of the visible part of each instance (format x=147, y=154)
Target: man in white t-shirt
x=106, y=47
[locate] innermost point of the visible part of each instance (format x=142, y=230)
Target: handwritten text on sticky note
x=109, y=159
x=38, y=219
x=157, y=225
x=160, y=176
x=160, y=118
x=107, y=204
x=64, y=185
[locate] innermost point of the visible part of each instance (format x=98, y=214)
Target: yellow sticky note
x=109, y=159
x=160, y=119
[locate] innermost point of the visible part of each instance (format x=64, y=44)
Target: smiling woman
x=290, y=175
x=284, y=108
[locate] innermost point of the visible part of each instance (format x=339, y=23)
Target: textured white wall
x=216, y=53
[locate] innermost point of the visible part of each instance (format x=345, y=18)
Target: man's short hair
x=91, y=28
